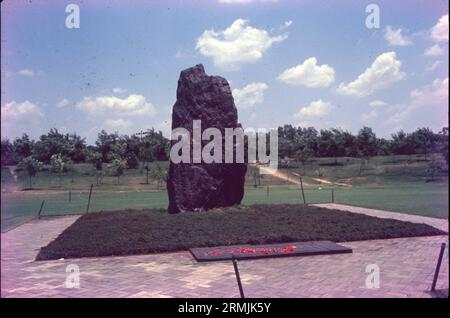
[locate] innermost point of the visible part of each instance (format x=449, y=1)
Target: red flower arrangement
x=245, y=250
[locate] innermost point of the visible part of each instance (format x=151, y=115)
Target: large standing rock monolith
x=202, y=186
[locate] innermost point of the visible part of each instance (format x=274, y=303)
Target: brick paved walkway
x=406, y=269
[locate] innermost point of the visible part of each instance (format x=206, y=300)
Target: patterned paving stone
x=406, y=269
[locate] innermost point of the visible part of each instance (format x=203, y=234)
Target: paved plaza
x=406, y=268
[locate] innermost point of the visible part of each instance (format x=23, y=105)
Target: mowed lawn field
x=395, y=184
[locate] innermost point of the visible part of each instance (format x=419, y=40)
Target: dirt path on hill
x=295, y=180
x=286, y=177
x=332, y=183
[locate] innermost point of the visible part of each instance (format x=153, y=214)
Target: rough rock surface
x=200, y=186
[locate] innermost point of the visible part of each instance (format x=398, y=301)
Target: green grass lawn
x=153, y=231
x=387, y=183
x=428, y=199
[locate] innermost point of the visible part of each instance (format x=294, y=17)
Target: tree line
x=296, y=143
x=61, y=151
x=302, y=144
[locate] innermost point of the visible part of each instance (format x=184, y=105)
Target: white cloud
x=250, y=95
x=63, y=103
x=252, y=117
x=384, y=71
x=433, y=66
x=395, y=37
x=377, y=103
x=434, y=50
x=439, y=32
x=308, y=74
x=237, y=45
x=434, y=95
x=316, y=108
x=286, y=25
x=26, y=72
x=18, y=118
x=366, y=117
x=119, y=90
x=133, y=105
x=115, y=124
x=18, y=111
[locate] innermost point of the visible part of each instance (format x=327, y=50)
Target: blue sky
x=308, y=63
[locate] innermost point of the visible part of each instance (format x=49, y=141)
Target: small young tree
x=58, y=165
x=442, y=143
x=31, y=166
x=132, y=160
x=160, y=174
x=96, y=160
x=70, y=166
x=118, y=167
x=433, y=169
x=147, y=157
x=303, y=155
x=366, y=143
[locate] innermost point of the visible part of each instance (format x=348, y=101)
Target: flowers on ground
x=246, y=250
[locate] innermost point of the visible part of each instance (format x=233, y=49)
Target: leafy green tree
x=105, y=143
x=442, y=143
x=77, y=149
x=118, y=167
x=424, y=141
x=286, y=143
x=366, y=143
x=31, y=166
x=23, y=147
x=118, y=151
x=328, y=145
x=132, y=160
x=7, y=153
x=304, y=155
x=399, y=143
x=59, y=165
x=159, y=145
x=50, y=144
x=96, y=159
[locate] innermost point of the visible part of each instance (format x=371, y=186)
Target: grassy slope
x=149, y=231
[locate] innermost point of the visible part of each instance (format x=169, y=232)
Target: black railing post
x=438, y=267
x=40, y=209
x=238, y=277
x=303, y=192
x=89, y=200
